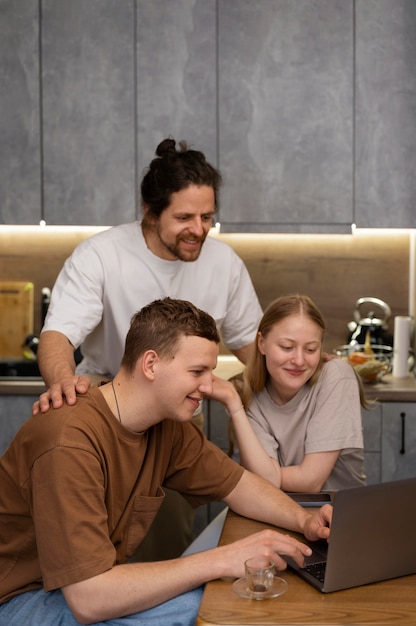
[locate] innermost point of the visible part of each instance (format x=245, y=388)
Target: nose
x=205, y=386
x=298, y=356
x=197, y=226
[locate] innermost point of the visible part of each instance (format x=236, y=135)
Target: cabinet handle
x=403, y=418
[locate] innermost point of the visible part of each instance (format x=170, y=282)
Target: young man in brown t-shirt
x=79, y=492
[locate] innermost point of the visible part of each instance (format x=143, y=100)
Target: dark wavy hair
x=173, y=170
x=160, y=325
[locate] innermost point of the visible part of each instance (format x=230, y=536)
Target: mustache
x=191, y=238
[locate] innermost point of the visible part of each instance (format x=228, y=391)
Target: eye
x=207, y=218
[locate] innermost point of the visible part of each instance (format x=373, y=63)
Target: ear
x=148, y=215
x=150, y=360
x=260, y=343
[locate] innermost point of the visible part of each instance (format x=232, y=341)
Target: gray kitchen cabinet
x=20, y=136
x=286, y=115
x=177, y=87
x=306, y=107
x=398, y=447
x=390, y=441
x=109, y=99
x=216, y=423
x=88, y=99
x=385, y=122
x=316, y=115
x=14, y=411
x=372, y=443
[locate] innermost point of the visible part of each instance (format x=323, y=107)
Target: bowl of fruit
x=371, y=362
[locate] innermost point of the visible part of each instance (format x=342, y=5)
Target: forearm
x=243, y=353
x=294, y=479
x=257, y=498
x=311, y=474
x=55, y=357
x=127, y=589
x=252, y=454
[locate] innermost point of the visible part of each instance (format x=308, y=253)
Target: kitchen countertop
x=389, y=389
x=29, y=386
x=21, y=386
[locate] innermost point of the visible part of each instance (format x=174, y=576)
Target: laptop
x=373, y=538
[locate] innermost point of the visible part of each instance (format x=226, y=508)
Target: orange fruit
x=357, y=357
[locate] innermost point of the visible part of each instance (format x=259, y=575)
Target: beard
x=181, y=254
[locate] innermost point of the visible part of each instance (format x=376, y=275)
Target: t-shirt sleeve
x=76, y=305
x=200, y=470
x=262, y=429
x=243, y=314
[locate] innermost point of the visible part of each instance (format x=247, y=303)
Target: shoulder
x=115, y=234
x=337, y=369
x=219, y=248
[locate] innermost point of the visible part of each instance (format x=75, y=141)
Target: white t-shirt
x=321, y=417
x=113, y=274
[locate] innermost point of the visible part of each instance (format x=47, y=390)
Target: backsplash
x=335, y=270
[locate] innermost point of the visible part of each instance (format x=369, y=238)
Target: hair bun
x=166, y=147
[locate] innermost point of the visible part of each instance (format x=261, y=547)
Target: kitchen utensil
x=365, y=319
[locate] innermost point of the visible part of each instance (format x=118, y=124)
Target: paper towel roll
x=401, y=346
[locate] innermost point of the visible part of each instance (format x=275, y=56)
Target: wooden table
x=388, y=602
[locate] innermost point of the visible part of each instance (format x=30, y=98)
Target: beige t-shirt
x=79, y=491
x=321, y=417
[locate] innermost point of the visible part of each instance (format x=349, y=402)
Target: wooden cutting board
x=16, y=316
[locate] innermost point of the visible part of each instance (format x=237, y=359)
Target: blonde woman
x=298, y=419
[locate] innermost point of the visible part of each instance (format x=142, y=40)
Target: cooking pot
x=366, y=320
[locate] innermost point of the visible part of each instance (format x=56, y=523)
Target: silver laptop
x=373, y=538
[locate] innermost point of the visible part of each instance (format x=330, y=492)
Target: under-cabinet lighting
x=52, y=228
x=379, y=231
x=216, y=229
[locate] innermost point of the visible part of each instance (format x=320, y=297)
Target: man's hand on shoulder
x=67, y=388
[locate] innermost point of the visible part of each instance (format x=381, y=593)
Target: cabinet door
x=286, y=115
x=385, y=185
x=372, y=444
x=176, y=93
x=14, y=410
x=20, y=180
x=398, y=441
x=88, y=87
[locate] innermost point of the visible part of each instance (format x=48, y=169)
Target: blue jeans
x=37, y=608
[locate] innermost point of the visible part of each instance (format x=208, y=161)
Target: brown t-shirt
x=79, y=492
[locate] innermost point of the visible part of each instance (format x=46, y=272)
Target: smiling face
x=184, y=380
x=292, y=350
x=183, y=226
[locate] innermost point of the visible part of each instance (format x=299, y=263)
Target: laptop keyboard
x=317, y=570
